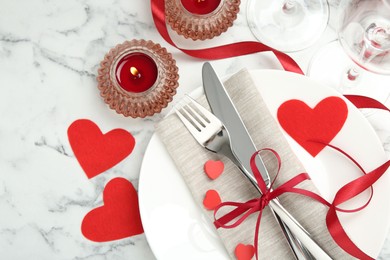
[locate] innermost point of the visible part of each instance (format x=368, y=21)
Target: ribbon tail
x=222, y=221
x=158, y=13
x=365, y=102
x=256, y=239
x=341, y=238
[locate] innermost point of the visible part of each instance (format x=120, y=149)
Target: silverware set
x=216, y=130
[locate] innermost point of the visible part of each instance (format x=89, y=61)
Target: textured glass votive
x=138, y=78
x=201, y=19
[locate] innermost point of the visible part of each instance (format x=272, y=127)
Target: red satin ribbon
x=243, y=210
x=366, y=102
x=220, y=52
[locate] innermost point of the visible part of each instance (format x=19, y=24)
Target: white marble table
x=49, y=55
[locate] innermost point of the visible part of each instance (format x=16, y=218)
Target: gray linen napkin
x=190, y=157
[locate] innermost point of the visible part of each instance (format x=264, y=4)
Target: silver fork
x=210, y=133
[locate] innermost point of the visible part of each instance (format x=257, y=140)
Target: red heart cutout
x=213, y=169
x=95, y=151
x=320, y=124
x=211, y=199
x=244, y=252
x=118, y=218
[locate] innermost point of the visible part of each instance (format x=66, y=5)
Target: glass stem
x=289, y=6
x=370, y=49
x=350, y=79
x=352, y=74
x=376, y=41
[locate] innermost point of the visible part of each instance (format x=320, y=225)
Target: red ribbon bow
x=243, y=210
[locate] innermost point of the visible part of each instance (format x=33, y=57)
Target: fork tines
x=196, y=118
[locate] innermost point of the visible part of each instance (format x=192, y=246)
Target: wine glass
x=287, y=25
x=359, y=60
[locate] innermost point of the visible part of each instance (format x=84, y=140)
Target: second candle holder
x=201, y=19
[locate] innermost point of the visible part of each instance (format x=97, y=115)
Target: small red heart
x=213, y=169
x=211, y=199
x=244, y=252
x=118, y=218
x=97, y=152
x=308, y=126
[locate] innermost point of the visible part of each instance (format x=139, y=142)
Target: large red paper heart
x=211, y=199
x=95, y=151
x=309, y=126
x=244, y=252
x=118, y=218
x=213, y=169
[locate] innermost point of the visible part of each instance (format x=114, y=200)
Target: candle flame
x=135, y=72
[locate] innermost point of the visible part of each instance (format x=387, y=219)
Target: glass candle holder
x=201, y=19
x=138, y=78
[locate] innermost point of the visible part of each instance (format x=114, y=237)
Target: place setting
x=194, y=153
x=305, y=129
x=290, y=104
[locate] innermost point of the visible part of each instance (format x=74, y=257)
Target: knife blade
x=242, y=145
x=222, y=106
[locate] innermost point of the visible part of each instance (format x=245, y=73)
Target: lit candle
x=138, y=78
x=136, y=72
x=200, y=7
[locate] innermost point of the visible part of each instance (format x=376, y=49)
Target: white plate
x=176, y=228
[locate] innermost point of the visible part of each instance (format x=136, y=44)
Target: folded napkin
x=190, y=158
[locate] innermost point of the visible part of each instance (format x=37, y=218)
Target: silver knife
x=243, y=148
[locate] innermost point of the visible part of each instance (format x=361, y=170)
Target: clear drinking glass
x=287, y=25
x=359, y=60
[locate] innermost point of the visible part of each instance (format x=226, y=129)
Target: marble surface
x=49, y=55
